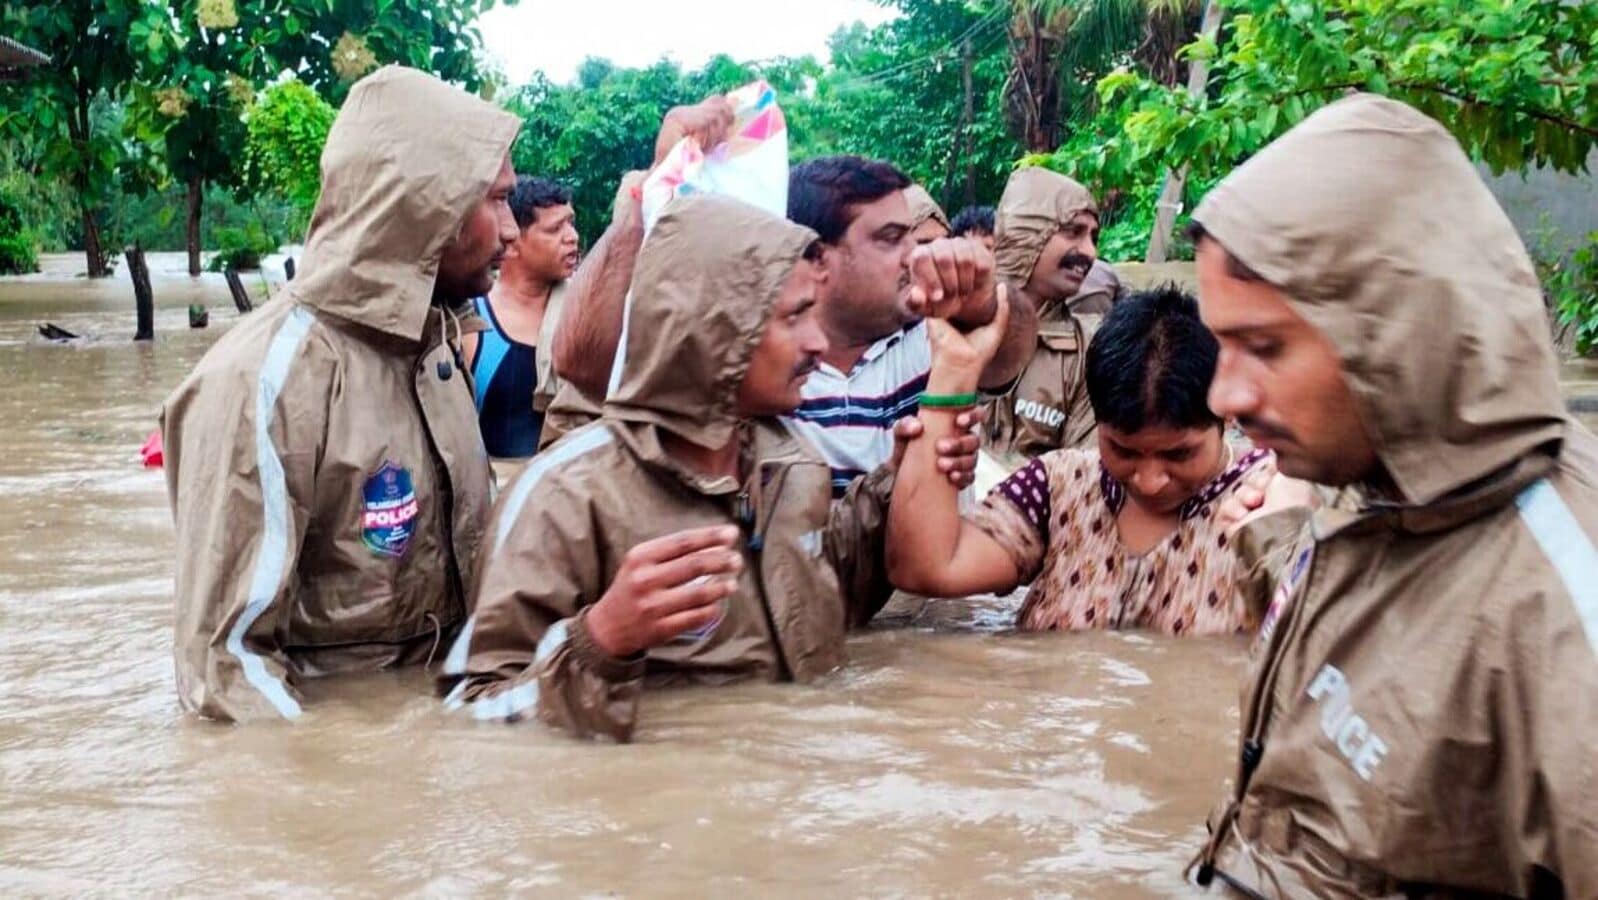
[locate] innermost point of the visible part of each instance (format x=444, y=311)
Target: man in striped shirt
x=877, y=366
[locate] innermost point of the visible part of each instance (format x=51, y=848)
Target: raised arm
x=956, y=282
x=931, y=549
x=590, y=328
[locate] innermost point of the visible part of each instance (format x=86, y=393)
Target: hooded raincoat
x=706, y=279
x=328, y=483
x=923, y=207
x=1047, y=408
x=1422, y=713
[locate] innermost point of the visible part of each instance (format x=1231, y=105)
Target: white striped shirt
x=849, y=417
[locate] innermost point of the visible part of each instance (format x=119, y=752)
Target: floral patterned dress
x=1056, y=517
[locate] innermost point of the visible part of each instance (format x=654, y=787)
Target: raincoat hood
x=1372, y=221
x=1035, y=205
x=706, y=278
x=923, y=207
x=406, y=160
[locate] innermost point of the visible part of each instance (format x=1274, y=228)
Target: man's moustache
x=809, y=365
x=1263, y=429
x=1077, y=262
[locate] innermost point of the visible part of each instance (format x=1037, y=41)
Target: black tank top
x=504, y=373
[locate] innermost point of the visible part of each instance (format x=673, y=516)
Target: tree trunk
x=196, y=197
x=78, y=131
x=93, y=252
x=143, y=297
x=1170, y=202
x=1032, y=96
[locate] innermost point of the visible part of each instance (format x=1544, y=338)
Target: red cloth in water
x=151, y=453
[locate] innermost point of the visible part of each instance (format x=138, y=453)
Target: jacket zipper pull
x=746, y=520
x=1252, y=751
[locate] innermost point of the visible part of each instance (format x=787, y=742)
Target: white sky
x=555, y=35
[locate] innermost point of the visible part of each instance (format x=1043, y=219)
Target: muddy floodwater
x=947, y=759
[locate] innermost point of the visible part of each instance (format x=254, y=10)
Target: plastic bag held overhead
x=751, y=165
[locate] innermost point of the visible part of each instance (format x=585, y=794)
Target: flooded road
x=945, y=760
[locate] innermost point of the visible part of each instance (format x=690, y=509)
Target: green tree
x=330, y=44
x=190, y=100
x=1513, y=80
x=53, y=117
x=897, y=92
x=18, y=250
x=586, y=135
x=288, y=127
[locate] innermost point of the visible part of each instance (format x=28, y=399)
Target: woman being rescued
x=1123, y=536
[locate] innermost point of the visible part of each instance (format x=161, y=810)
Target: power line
x=882, y=76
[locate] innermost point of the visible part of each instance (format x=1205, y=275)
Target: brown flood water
x=944, y=760
x=947, y=759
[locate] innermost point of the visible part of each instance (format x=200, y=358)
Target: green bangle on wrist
x=949, y=401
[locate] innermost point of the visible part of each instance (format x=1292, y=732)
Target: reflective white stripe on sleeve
x=567, y=448
x=1567, y=547
x=455, y=663
x=269, y=573
x=513, y=703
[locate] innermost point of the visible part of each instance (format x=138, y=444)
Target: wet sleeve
x=1264, y=549
x=1547, y=725
x=241, y=474
x=526, y=650
x=1016, y=515
x=856, y=545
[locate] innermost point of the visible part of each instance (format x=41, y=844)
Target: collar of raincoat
x=703, y=288
x=923, y=207
x=407, y=158
x=1372, y=221
x=1036, y=204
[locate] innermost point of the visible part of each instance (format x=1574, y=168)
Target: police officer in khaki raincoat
x=328, y=483
x=1421, y=718
x=1045, y=246
x=687, y=535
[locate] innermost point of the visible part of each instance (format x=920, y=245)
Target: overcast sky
x=555, y=35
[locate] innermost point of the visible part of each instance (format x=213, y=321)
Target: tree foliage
x=140, y=94
x=587, y=134
x=1513, y=79
x=287, y=128
x=1571, y=282
x=56, y=118
x=330, y=44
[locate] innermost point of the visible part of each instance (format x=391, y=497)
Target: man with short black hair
x=974, y=222
x=878, y=358
x=513, y=381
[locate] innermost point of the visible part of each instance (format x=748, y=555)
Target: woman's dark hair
x=1151, y=363
x=972, y=220
x=823, y=192
x=533, y=194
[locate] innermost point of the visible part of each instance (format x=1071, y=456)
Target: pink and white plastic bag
x=751, y=165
